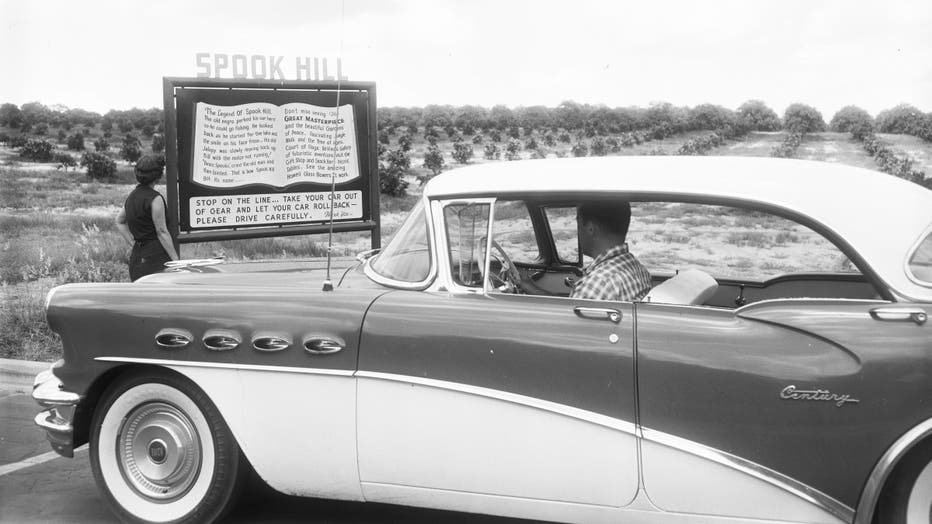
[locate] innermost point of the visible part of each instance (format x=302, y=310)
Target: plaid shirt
x=614, y=275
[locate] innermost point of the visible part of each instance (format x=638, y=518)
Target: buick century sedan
x=778, y=368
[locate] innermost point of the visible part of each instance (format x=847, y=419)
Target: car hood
x=309, y=273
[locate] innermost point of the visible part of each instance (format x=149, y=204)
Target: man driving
x=614, y=274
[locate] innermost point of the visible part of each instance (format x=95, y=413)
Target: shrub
x=539, y=153
x=514, y=132
x=76, y=142
x=787, y=149
x=478, y=139
x=462, y=152
x=613, y=145
x=598, y=147
x=384, y=138
x=62, y=136
x=18, y=141
x=565, y=137
x=801, y=118
x=903, y=119
x=64, y=161
x=580, y=149
x=101, y=145
x=392, y=171
x=36, y=150
x=530, y=143
x=98, y=165
x=495, y=135
x=158, y=143
x=854, y=120
x=41, y=129
x=433, y=160
x=512, y=148
x=758, y=117
x=492, y=152
x=4, y=138
x=131, y=149
x=404, y=142
x=549, y=139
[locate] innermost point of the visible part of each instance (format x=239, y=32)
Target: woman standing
x=142, y=221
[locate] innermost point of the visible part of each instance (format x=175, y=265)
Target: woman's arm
x=122, y=227
x=158, y=218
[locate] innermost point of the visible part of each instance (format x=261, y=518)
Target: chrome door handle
x=322, y=345
x=270, y=343
x=173, y=339
x=221, y=341
x=598, y=313
x=895, y=313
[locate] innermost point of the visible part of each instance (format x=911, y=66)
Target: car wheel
x=161, y=452
x=908, y=500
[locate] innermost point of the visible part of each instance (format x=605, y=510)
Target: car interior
x=709, y=256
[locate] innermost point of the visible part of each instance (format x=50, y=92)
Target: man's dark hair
x=615, y=216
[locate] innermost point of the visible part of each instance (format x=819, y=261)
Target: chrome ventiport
x=172, y=338
x=221, y=340
x=322, y=345
x=270, y=343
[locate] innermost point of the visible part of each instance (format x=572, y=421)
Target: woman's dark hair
x=149, y=168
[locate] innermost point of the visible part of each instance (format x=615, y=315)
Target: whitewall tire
x=161, y=452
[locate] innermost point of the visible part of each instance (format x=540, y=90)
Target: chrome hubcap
x=159, y=451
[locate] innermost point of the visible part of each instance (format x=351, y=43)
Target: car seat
x=689, y=287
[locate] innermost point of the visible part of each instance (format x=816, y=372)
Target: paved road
x=63, y=490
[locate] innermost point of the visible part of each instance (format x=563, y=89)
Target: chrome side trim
x=222, y=365
x=775, y=478
x=878, y=477
x=553, y=407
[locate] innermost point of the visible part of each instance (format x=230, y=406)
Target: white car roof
x=879, y=215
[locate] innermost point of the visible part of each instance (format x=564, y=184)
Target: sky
x=102, y=55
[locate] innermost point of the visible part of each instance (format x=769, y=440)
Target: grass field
x=57, y=227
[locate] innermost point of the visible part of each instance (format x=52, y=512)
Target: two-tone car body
x=453, y=370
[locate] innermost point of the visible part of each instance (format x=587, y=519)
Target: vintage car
x=780, y=370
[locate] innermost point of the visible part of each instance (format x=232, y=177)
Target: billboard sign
x=248, y=159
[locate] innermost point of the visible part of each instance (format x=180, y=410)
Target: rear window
x=920, y=263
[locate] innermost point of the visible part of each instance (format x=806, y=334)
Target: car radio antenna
x=328, y=284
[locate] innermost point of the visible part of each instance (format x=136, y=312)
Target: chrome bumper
x=57, y=420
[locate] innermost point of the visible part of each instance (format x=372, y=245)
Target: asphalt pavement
x=38, y=486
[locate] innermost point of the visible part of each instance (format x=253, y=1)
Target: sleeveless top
x=138, y=209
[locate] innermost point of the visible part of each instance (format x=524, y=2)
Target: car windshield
x=407, y=256
x=920, y=264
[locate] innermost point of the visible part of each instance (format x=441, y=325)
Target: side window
x=467, y=227
x=562, y=222
x=729, y=243
x=514, y=231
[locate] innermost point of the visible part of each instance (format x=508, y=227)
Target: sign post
x=253, y=158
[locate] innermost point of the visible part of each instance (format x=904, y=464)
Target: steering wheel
x=507, y=280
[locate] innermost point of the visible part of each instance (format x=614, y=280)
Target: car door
x=524, y=399
x=779, y=409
